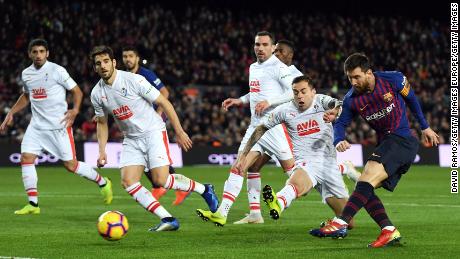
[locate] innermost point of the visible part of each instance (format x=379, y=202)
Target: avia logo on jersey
x=382, y=113
x=122, y=113
x=307, y=128
x=254, y=86
x=39, y=93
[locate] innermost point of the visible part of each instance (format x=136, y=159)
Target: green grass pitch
x=422, y=208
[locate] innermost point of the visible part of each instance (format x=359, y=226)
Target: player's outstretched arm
x=102, y=134
x=20, y=104
x=70, y=115
x=181, y=136
x=256, y=135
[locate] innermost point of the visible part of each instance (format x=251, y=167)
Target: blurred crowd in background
x=202, y=53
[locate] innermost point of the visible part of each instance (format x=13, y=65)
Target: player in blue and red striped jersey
x=131, y=60
x=380, y=98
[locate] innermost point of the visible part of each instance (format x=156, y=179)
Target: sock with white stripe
x=145, y=199
x=286, y=196
x=254, y=187
x=30, y=180
x=85, y=170
x=182, y=183
x=232, y=188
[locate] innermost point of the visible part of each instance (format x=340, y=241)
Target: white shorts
x=150, y=151
x=275, y=142
x=58, y=142
x=326, y=179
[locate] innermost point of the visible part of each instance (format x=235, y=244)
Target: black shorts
x=396, y=154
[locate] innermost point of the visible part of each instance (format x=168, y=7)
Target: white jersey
x=47, y=88
x=294, y=71
x=129, y=99
x=269, y=79
x=312, y=138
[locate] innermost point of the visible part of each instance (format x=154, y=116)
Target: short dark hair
x=101, y=49
x=130, y=48
x=356, y=60
x=304, y=78
x=37, y=42
x=287, y=43
x=269, y=34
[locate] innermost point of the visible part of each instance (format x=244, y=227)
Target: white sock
x=182, y=183
x=145, y=199
x=390, y=228
x=342, y=168
x=85, y=170
x=30, y=180
x=232, y=188
x=286, y=196
x=254, y=187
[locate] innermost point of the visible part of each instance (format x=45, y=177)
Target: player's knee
x=160, y=179
x=126, y=182
x=236, y=171
x=27, y=158
x=255, y=168
x=71, y=166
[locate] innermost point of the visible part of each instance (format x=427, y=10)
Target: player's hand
x=69, y=117
x=342, y=146
x=102, y=160
x=240, y=163
x=184, y=141
x=261, y=107
x=429, y=136
x=330, y=115
x=94, y=119
x=231, y=102
x=8, y=121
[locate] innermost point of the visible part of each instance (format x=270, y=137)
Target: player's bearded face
x=104, y=66
x=303, y=95
x=360, y=79
x=130, y=59
x=263, y=48
x=38, y=54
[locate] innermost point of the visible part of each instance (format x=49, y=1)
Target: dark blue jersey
x=151, y=77
x=384, y=108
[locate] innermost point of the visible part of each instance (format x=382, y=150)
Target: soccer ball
x=112, y=225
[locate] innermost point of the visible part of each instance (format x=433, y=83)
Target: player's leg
x=299, y=184
x=160, y=175
x=30, y=148
x=390, y=160
x=333, y=190
x=180, y=195
x=337, y=205
x=254, y=185
x=157, y=191
x=347, y=169
x=30, y=180
x=61, y=144
x=157, y=147
x=232, y=189
x=372, y=175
